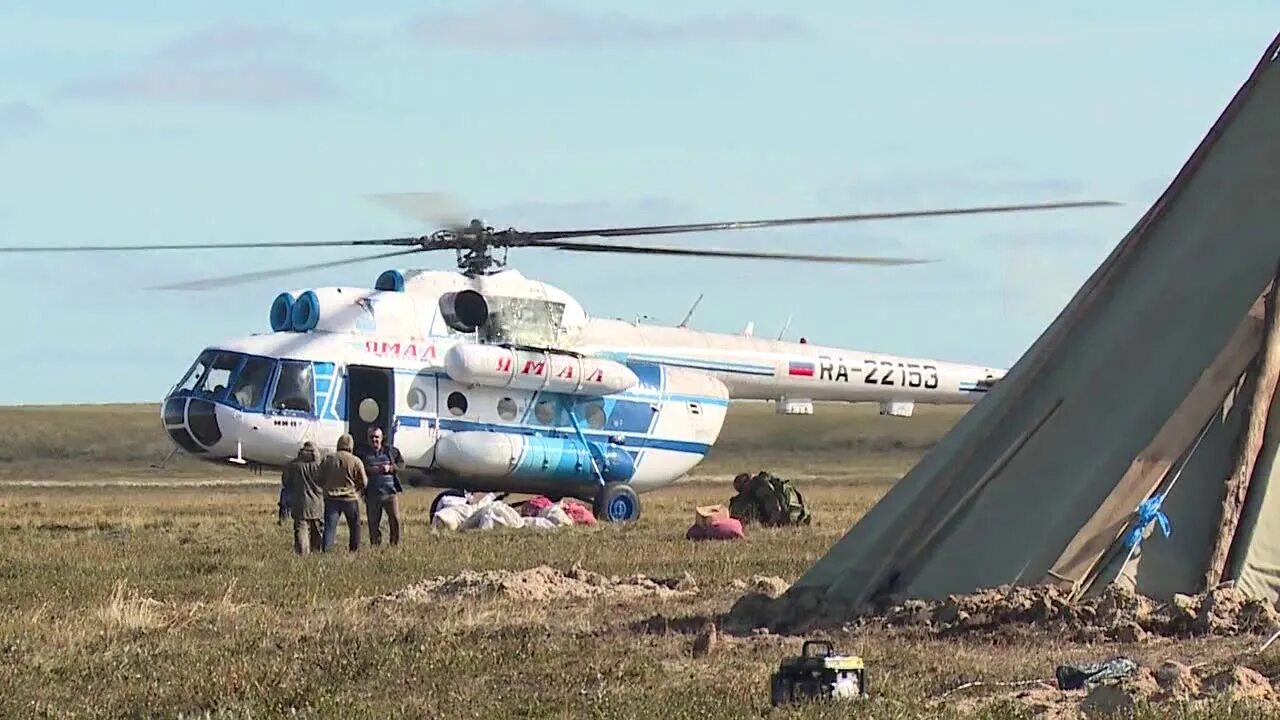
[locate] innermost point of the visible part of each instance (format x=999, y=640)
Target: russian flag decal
x=803, y=369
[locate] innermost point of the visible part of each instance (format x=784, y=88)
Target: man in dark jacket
x=304, y=497
x=382, y=463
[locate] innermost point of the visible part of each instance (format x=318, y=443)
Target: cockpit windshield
x=196, y=373
x=295, y=388
x=244, y=381
x=218, y=377
x=251, y=384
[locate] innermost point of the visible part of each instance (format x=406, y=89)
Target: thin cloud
x=245, y=84
x=19, y=117
x=517, y=24
x=227, y=64
x=240, y=41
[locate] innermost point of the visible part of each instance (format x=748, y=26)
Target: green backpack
x=779, y=502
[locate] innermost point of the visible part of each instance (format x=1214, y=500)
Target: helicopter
x=490, y=381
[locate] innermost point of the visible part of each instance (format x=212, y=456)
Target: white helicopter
x=490, y=381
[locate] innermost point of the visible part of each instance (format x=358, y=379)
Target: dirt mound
x=1172, y=684
x=1115, y=614
x=540, y=584
x=767, y=585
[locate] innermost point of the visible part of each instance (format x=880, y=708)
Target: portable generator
x=818, y=673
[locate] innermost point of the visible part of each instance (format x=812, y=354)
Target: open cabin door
x=370, y=402
x=402, y=404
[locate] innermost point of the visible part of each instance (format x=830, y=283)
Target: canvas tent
x=1149, y=398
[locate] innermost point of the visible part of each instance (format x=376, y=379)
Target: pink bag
x=535, y=505
x=726, y=529
x=581, y=514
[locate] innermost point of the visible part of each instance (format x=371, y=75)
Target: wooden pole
x=1237, y=485
x=1147, y=470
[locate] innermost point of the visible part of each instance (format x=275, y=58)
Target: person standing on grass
x=343, y=478
x=382, y=464
x=282, y=504
x=304, y=498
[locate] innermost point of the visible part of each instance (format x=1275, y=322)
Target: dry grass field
x=123, y=600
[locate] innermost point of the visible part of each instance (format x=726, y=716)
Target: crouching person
x=304, y=498
x=343, y=478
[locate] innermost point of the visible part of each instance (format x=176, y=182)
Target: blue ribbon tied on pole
x=1149, y=510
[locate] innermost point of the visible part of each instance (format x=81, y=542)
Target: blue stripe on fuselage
x=629, y=414
x=632, y=441
x=649, y=443
x=649, y=374
x=649, y=389
x=633, y=359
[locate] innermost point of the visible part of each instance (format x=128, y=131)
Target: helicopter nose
x=192, y=424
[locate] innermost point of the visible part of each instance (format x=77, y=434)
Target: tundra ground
x=186, y=600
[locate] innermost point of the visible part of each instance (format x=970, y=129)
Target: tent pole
x=1080, y=589
x=1236, y=488
x=1148, y=469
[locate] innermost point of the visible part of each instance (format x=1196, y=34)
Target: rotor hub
x=474, y=244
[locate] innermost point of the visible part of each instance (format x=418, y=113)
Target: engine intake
x=306, y=311
x=390, y=281
x=465, y=310
x=282, y=311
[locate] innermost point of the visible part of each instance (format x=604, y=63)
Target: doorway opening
x=370, y=401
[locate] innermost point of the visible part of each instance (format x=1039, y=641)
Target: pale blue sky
x=235, y=120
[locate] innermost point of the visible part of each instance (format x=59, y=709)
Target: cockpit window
x=194, y=375
x=243, y=381
x=295, y=389
x=250, y=388
x=219, y=375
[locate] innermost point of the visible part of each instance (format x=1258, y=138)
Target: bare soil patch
x=1116, y=614
x=541, y=584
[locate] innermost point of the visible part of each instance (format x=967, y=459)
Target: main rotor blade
x=241, y=278
x=212, y=246
x=715, y=252
x=539, y=235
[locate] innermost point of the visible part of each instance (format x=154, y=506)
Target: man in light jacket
x=343, y=478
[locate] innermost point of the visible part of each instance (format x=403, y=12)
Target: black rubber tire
x=435, y=504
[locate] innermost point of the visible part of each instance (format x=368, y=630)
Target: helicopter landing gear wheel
x=435, y=504
x=616, y=502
